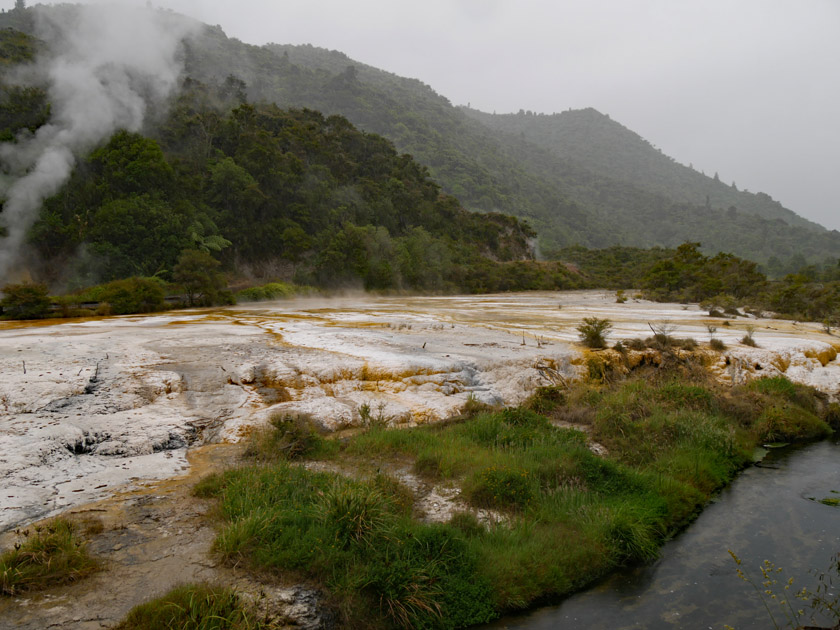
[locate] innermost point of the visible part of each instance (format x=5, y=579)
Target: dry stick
x=24, y=367
x=80, y=371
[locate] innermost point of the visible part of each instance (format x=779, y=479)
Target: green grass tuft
x=54, y=554
x=191, y=607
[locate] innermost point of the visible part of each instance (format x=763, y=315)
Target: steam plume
x=107, y=64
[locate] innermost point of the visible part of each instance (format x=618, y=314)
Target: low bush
x=717, y=344
x=782, y=387
x=789, y=423
x=134, y=295
x=25, y=301
x=270, y=291
x=546, y=399
x=566, y=516
x=354, y=513
x=288, y=436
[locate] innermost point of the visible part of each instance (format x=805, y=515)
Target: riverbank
x=538, y=514
x=771, y=511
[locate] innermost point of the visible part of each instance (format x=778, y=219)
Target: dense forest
x=271, y=193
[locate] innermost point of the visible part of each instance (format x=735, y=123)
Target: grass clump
x=501, y=487
x=191, y=607
x=288, y=436
x=53, y=554
x=380, y=566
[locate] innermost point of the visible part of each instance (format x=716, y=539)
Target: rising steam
x=107, y=64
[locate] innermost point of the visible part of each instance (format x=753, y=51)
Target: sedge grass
x=49, y=555
x=566, y=515
x=191, y=607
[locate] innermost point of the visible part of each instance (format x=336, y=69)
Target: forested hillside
x=228, y=156
x=607, y=148
x=568, y=200
x=271, y=192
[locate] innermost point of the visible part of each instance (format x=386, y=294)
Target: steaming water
x=90, y=407
x=769, y=513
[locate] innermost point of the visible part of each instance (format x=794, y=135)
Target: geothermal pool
x=89, y=407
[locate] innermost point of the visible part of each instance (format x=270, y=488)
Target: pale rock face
x=108, y=403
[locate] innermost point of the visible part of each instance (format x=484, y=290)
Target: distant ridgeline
x=297, y=192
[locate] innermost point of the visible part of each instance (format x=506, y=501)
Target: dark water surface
x=768, y=513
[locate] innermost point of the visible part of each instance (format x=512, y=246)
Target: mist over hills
x=578, y=177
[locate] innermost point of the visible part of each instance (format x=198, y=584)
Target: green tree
x=197, y=272
x=140, y=235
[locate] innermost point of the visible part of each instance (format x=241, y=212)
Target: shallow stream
x=771, y=512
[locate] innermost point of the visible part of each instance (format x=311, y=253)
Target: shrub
x=25, y=301
x=467, y=524
x=134, y=295
x=832, y=415
x=270, y=291
x=593, y=332
x=546, y=399
x=634, y=534
x=717, y=344
x=747, y=339
x=688, y=343
x=53, y=555
x=288, y=436
x=789, y=423
x=209, y=486
x=782, y=387
x=636, y=344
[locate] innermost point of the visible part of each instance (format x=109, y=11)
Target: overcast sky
x=747, y=88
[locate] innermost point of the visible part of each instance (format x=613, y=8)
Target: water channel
x=771, y=512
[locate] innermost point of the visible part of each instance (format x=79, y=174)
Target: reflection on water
x=768, y=513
